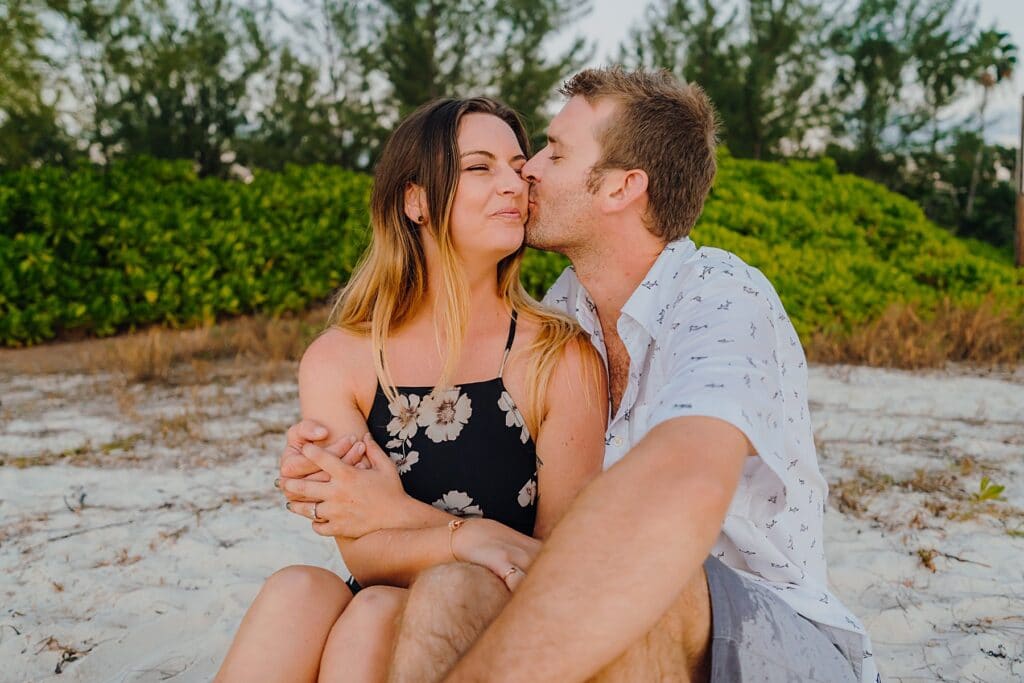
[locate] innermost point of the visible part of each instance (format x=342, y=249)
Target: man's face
x=563, y=212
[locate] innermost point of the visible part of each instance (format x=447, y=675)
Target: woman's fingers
x=376, y=455
x=302, y=509
x=513, y=576
x=305, y=489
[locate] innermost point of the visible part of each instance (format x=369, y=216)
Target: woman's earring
x=419, y=220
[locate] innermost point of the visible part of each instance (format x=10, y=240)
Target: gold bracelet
x=452, y=526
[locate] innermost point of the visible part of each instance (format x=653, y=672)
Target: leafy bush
x=146, y=241
x=841, y=250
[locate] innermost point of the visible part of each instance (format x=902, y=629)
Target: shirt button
x=617, y=441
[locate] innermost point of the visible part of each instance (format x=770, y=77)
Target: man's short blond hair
x=662, y=126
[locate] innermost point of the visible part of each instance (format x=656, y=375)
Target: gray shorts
x=755, y=636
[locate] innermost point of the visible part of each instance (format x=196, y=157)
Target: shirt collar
x=660, y=288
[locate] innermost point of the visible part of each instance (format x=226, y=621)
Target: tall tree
x=696, y=41
x=166, y=80
x=434, y=48
x=941, y=57
x=29, y=129
x=522, y=75
x=995, y=57
x=316, y=103
x=872, y=49
x=758, y=61
x=365, y=64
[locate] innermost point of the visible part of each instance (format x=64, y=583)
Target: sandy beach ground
x=137, y=521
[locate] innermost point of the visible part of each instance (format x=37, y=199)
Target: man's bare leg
x=448, y=607
x=678, y=648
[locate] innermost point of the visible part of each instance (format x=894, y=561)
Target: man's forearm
x=612, y=566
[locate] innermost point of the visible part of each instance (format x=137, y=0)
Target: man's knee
x=458, y=583
x=447, y=609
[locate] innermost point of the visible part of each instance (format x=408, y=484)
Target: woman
x=433, y=347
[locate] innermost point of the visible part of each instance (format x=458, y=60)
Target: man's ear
x=625, y=188
x=416, y=204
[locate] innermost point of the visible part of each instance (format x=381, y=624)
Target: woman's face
x=489, y=210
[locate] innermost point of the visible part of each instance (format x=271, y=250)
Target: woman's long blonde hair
x=390, y=283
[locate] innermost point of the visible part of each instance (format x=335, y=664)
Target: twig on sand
x=963, y=559
x=926, y=555
x=68, y=654
x=78, y=532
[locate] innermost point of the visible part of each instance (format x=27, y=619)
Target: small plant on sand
x=988, y=490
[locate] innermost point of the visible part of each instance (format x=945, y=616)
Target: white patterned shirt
x=707, y=335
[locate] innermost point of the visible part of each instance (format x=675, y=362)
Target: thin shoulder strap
x=508, y=343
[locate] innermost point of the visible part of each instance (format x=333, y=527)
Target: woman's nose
x=512, y=182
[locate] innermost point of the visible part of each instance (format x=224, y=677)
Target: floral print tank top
x=465, y=450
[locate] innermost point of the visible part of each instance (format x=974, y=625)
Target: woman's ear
x=416, y=204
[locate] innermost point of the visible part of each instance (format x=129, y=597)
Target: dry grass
x=854, y=494
x=903, y=337
x=154, y=356
x=951, y=496
x=160, y=354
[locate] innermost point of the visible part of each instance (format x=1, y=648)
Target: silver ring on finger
x=316, y=517
x=510, y=572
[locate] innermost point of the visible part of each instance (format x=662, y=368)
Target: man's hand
x=293, y=464
x=353, y=501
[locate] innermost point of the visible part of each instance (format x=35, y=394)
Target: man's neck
x=611, y=275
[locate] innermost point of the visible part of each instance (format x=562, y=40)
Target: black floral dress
x=465, y=450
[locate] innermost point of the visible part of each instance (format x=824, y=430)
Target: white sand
x=136, y=544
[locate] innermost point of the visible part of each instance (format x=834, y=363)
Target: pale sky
x=609, y=24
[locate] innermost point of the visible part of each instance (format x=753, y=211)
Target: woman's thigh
x=282, y=636
x=360, y=644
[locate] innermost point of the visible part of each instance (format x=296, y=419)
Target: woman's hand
x=504, y=551
x=357, y=499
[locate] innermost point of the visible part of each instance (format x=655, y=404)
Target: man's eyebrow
x=489, y=155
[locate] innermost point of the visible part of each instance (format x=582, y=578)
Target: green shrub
x=102, y=250
x=841, y=249
x=148, y=242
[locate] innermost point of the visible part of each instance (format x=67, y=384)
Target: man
x=698, y=554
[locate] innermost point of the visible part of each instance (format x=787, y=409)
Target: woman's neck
x=485, y=304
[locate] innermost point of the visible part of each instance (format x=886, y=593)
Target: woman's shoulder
x=338, y=355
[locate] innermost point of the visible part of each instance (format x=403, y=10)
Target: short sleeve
x=721, y=360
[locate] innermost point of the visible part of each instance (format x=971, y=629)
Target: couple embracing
x=618, y=484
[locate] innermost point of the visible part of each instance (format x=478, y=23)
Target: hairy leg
x=448, y=607
x=678, y=648
x=359, y=647
x=282, y=635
